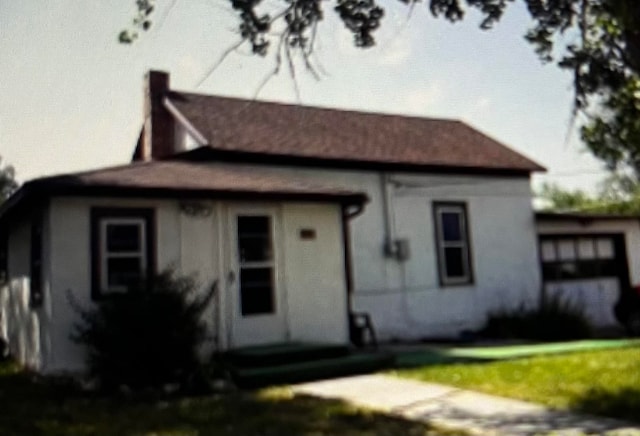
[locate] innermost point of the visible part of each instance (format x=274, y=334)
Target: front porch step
x=312, y=370
x=283, y=354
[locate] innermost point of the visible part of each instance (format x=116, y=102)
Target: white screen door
x=258, y=313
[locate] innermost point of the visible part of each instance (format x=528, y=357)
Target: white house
x=269, y=199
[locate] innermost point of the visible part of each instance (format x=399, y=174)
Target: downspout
x=348, y=215
x=388, y=240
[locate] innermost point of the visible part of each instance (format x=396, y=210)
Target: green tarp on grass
x=441, y=355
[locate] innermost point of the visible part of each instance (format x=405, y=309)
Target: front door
x=257, y=302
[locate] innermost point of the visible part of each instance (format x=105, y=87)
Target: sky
x=71, y=95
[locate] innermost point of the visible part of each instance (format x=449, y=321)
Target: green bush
x=146, y=338
x=554, y=320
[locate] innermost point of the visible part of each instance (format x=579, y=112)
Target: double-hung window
x=452, y=241
x=122, y=249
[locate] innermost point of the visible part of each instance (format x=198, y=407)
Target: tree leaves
x=8, y=183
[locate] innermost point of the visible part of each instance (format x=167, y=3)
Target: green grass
x=30, y=406
x=602, y=382
x=445, y=355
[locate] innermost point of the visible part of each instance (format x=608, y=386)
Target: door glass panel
x=254, y=238
x=256, y=291
x=255, y=252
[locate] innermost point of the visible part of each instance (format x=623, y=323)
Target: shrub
x=554, y=320
x=147, y=337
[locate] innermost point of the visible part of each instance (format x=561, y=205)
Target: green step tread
x=289, y=348
x=346, y=362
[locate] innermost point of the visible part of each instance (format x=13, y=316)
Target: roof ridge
x=317, y=107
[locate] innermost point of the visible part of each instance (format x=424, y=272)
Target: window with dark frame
x=122, y=242
x=452, y=242
x=566, y=257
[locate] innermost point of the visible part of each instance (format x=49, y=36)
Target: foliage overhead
x=617, y=195
x=147, y=337
x=597, y=40
x=8, y=183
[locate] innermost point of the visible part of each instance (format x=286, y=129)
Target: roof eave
x=45, y=188
x=210, y=153
x=581, y=216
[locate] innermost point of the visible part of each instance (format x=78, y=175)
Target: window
x=569, y=257
x=452, y=242
x=257, y=266
x=122, y=242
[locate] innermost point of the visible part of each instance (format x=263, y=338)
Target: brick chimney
x=158, y=133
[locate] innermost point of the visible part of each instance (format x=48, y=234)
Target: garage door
x=587, y=270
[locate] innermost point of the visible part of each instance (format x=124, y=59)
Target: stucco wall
x=198, y=244
x=405, y=298
x=71, y=265
x=314, y=273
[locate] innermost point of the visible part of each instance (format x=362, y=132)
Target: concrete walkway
x=459, y=409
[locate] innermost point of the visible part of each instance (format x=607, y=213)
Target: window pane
x=124, y=271
x=123, y=237
x=569, y=270
x=256, y=291
x=548, y=251
x=567, y=249
x=454, y=262
x=254, y=239
x=586, y=249
x=253, y=225
x=605, y=248
x=451, y=226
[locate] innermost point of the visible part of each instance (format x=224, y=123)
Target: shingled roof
x=182, y=180
x=311, y=133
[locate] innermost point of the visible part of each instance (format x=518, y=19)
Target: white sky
x=71, y=96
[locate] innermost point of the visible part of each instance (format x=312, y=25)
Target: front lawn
x=603, y=382
x=48, y=407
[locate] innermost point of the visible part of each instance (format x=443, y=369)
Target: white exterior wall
x=405, y=299
x=198, y=244
x=314, y=272
x=503, y=257
x=630, y=228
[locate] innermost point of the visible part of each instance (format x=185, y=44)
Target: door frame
x=280, y=315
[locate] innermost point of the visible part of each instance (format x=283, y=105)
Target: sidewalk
x=459, y=409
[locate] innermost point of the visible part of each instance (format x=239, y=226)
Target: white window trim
x=105, y=255
x=445, y=280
